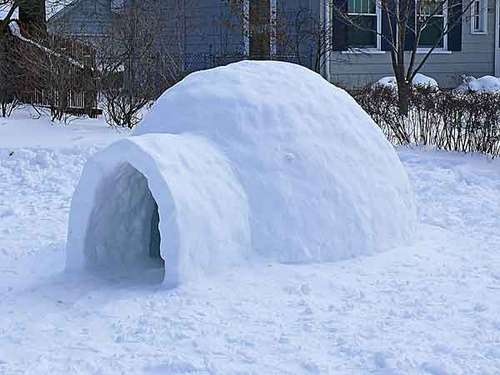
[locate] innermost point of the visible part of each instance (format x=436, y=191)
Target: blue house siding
x=82, y=18
x=291, y=15
x=206, y=34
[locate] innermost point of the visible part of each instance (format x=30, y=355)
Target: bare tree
x=128, y=64
x=407, y=22
x=307, y=37
x=298, y=34
x=172, y=60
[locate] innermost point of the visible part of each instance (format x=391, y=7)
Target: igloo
x=251, y=162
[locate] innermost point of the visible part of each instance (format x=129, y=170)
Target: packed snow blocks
x=248, y=162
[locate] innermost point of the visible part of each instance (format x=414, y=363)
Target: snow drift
x=252, y=160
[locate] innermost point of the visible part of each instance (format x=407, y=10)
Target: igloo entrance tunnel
x=252, y=161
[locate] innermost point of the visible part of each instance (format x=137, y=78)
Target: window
x=479, y=16
x=76, y=99
x=432, y=18
x=363, y=14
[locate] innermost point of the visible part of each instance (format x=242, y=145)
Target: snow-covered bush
x=486, y=84
x=449, y=120
x=419, y=80
x=251, y=161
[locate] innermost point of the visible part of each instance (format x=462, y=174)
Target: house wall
x=212, y=30
x=206, y=32
x=201, y=31
x=477, y=58
x=289, y=12
x=82, y=18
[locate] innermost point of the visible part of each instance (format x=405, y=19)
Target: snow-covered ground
x=432, y=308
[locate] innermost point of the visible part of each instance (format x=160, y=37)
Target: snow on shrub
x=486, y=84
x=419, y=80
x=255, y=160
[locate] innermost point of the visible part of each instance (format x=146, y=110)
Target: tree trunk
x=403, y=97
x=403, y=89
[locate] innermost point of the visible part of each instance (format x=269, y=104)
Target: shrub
x=467, y=122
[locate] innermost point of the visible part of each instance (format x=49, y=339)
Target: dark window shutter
x=410, y=38
x=455, y=25
x=387, y=23
x=339, y=26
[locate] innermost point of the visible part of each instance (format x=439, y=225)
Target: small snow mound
x=419, y=80
x=486, y=84
x=254, y=159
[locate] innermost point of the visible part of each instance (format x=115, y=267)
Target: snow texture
x=429, y=308
x=486, y=84
x=256, y=159
x=202, y=208
x=419, y=80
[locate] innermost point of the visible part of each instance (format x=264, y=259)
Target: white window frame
x=76, y=99
x=482, y=15
x=274, y=19
x=378, y=47
x=420, y=50
x=444, y=48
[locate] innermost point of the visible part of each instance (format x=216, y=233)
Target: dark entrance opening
x=123, y=238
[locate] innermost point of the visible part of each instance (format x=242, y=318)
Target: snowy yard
x=432, y=308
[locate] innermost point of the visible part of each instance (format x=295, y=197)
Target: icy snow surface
x=486, y=84
x=418, y=80
x=432, y=308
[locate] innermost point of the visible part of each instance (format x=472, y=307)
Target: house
x=210, y=33
x=86, y=20
x=44, y=69
x=471, y=48
x=206, y=33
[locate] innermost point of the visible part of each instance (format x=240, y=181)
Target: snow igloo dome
x=250, y=161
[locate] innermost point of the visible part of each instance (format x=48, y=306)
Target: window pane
x=431, y=7
x=360, y=38
x=362, y=6
x=353, y=6
x=432, y=32
x=478, y=15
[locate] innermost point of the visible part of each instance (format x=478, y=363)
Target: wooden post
x=260, y=29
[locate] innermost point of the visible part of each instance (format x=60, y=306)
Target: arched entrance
x=123, y=238
x=160, y=208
